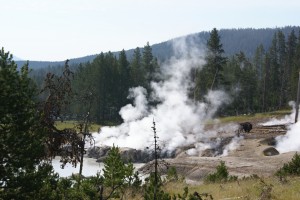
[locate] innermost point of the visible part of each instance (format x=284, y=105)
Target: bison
x=244, y=127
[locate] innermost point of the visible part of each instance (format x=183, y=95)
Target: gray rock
x=208, y=153
x=127, y=154
x=269, y=141
x=98, y=152
x=270, y=151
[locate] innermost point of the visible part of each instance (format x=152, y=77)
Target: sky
x=56, y=30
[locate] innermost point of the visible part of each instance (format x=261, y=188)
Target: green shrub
x=172, y=174
x=153, y=190
x=290, y=168
x=221, y=175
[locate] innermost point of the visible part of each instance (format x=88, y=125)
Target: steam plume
x=286, y=120
x=291, y=140
x=180, y=120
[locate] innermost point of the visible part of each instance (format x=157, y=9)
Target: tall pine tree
x=211, y=76
x=22, y=139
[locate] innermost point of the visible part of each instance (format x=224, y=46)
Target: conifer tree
x=215, y=59
x=22, y=171
x=150, y=65
x=137, y=70
x=211, y=76
x=290, y=77
x=124, y=79
x=116, y=174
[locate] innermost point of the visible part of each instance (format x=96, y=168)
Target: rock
x=270, y=151
x=182, y=150
x=127, y=154
x=133, y=155
x=208, y=153
x=269, y=141
x=98, y=152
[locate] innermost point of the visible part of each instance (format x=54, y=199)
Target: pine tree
x=116, y=174
x=124, y=79
x=211, y=76
x=150, y=66
x=22, y=172
x=282, y=61
x=248, y=84
x=232, y=74
x=291, y=53
x=154, y=184
x=259, y=60
x=274, y=73
x=266, y=95
x=147, y=62
x=137, y=70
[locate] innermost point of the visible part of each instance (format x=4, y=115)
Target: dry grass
x=243, y=189
x=72, y=124
x=257, y=116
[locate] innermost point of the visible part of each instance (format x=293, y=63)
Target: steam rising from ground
x=286, y=120
x=291, y=140
x=179, y=120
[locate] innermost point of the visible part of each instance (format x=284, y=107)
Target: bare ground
x=246, y=160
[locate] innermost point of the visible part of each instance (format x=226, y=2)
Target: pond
x=90, y=167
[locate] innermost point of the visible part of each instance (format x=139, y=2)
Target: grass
x=95, y=127
x=239, y=118
x=250, y=188
x=242, y=189
x=72, y=124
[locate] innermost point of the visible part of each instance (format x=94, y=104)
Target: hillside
x=233, y=40
x=252, y=153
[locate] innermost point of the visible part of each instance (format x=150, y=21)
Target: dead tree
x=69, y=142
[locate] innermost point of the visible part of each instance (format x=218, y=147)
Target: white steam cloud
x=232, y=145
x=179, y=120
x=291, y=140
x=286, y=120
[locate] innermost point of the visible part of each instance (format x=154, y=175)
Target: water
x=90, y=167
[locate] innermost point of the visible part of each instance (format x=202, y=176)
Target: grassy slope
x=72, y=124
x=95, y=127
x=257, y=116
x=244, y=189
x=248, y=188
x=241, y=189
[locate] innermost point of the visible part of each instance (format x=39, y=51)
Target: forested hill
x=43, y=64
x=233, y=40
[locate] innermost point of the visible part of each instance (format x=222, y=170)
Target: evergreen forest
x=259, y=81
x=32, y=101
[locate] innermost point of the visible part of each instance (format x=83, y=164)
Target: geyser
x=291, y=140
x=180, y=120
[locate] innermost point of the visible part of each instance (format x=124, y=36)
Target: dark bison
x=244, y=127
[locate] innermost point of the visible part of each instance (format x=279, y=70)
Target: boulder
x=98, y=152
x=208, y=153
x=270, y=151
x=269, y=141
x=133, y=155
x=127, y=154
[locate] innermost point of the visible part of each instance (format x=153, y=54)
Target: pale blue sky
x=61, y=29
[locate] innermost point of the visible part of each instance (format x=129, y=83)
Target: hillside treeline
x=265, y=82
x=233, y=40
